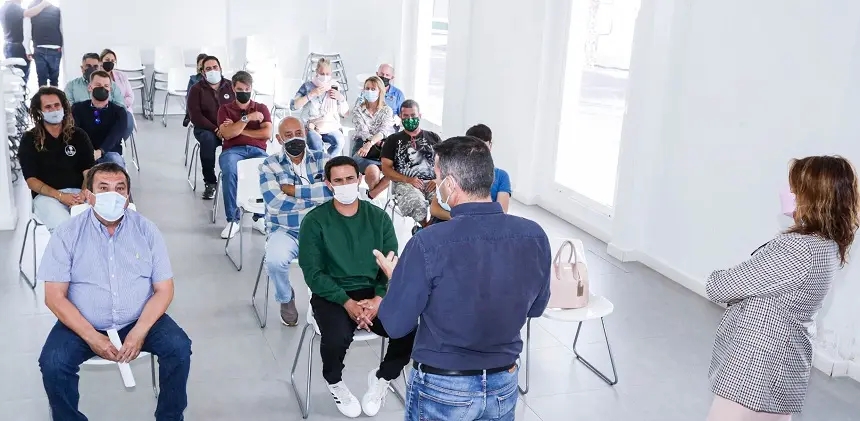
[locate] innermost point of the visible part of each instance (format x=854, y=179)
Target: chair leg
x=135, y=159
x=164, y=112
x=187, y=143
x=528, y=355
x=306, y=405
x=154, y=377
x=31, y=283
x=588, y=364
x=193, y=168
x=241, y=243
x=217, y=195
x=262, y=320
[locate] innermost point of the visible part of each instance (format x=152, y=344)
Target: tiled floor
x=660, y=333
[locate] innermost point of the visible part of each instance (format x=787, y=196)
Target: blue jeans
x=16, y=50
x=228, y=161
x=51, y=211
x=114, y=157
x=47, y=65
x=334, y=139
x=483, y=397
x=281, y=248
x=65, y=351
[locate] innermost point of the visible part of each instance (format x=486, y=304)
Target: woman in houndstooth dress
x=763, y=348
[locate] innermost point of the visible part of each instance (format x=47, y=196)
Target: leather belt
x=441, y=372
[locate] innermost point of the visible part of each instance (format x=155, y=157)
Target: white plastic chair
x=128, y=62
x=219, y=51
x=359, y=336
x=249, y=199
x=177, y=83
x=99, y=361
x=166, y=58
x=263, y=319
x=36, y=224
x=598, y=307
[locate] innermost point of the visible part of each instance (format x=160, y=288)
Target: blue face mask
x=110, y=205
x=444, y=204
x=370, y=96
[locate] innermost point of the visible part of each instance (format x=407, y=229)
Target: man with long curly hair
x=55, y=157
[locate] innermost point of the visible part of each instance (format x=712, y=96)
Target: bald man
x=393, y=96
x=292, y=182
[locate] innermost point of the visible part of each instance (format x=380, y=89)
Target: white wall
x=715, y=112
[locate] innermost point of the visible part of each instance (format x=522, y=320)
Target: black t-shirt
x=104, y=126
x=58, y=164
x=413, y=157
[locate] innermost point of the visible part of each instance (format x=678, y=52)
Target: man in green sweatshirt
x=338, y=239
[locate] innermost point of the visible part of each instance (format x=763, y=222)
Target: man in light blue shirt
x=76, y=90
x=393, y=96
x=108, y=269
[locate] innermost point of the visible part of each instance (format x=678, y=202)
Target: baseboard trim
x=823, y=361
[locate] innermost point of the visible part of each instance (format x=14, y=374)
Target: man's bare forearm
x=232, y=130
x=71, y=317
x=154, y=309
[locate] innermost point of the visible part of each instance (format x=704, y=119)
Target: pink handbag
x=569, y=283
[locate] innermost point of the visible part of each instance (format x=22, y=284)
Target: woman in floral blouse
x=374, y=121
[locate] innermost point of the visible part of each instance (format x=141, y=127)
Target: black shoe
x=209, y=192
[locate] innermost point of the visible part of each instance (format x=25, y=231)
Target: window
x=598, y=61
x=431, y=106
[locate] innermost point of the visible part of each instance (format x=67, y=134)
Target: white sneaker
x=230, y=230
x=346, y=402
x=374, y=399
x=260, y=225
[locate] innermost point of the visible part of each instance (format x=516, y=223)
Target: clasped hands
x=130, y=350
x=364, y=311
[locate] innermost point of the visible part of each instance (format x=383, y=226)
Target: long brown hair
x=827, y=199
x=38, y=130
x=380, y=87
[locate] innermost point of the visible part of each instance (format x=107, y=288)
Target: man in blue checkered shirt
x=293, y=183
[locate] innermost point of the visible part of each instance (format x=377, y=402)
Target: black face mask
x=295, y=146
x=100, y=94
x=243, y=97
x=88, y=72
x=108, y=66
x=385, y=80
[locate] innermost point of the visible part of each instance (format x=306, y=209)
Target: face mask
x=108, y=66
x=322, y=80
x=213, y=77
x=411, y=124
x=295, y=146
x=385, y=80
x=370, y=96
x=110, y=205
x=346, y=194
x=788, y=201
x=100, y=94
x=53, y=117
x=444, y=204
x=88, y=72
x=243, y=97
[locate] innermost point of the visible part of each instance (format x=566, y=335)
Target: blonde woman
x=55, y=156
x=763, y=348
x=373, y=121
x=323, y=105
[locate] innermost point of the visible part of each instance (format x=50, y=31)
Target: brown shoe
x=289, y=313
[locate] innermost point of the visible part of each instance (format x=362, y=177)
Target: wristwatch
x=244, y=118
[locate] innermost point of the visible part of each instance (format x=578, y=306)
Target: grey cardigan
x=763, y=347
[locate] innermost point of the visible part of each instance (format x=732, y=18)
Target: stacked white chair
x=166, y=58
x=177, y=83
x=129, y=63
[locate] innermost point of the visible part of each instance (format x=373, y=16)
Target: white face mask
x=322, y=80
x=346, y=194
x=110, y=205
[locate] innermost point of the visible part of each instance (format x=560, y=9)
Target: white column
x=8, y=211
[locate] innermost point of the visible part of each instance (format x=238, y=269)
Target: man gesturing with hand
x=336, y=255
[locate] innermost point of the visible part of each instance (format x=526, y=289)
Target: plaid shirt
x=285, y=212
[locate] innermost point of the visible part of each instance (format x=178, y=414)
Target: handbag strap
x=570, y=257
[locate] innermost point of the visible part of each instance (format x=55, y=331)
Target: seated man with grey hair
x=108, y=270
x=292, y=182
x=393, y=95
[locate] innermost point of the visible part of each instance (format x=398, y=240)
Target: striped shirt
x=110, y=277
x=284, y=212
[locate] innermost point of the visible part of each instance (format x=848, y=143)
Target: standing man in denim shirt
x=469, y=285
